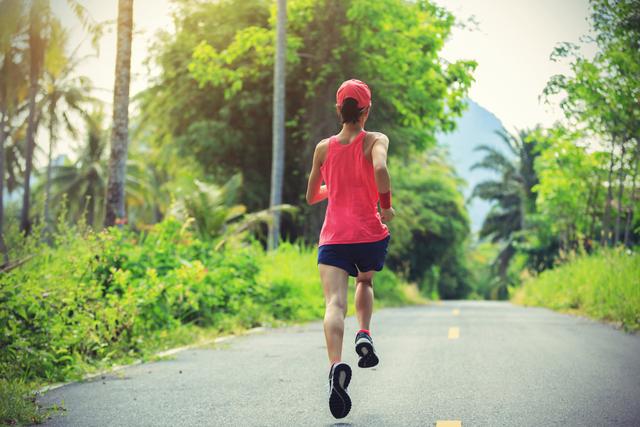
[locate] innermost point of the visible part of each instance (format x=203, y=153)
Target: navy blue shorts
x=354, y=257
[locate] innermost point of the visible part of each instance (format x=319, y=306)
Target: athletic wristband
x=385, y=200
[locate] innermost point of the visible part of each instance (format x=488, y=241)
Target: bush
x=93, y=298
x=604, y=285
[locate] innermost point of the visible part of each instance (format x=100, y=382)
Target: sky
x=512, y=44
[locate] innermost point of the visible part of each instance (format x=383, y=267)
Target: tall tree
x=12, y=83
x=602, y=94
x=277, y=163
x=64, y=93
x=511, y=193
x=385, y=43
x=115, y=209
x=38, y=13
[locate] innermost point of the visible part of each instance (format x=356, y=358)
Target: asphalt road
x=503, y=366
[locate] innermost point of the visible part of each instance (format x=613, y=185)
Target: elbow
x=381, y=168
x=309, y=200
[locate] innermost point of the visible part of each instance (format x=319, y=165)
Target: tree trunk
x=91, y=203
x=52, y=140
x=36, y=50
x=3, y=137
x=627, y=225
x=616, y=234
x=594, y=210
x=607, y=207
x=277, y=162
x=115, y=213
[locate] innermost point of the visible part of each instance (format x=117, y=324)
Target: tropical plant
x=215, y=213
x=64, y=93
x=429, y=232
x=511, y=193
x=12, y=85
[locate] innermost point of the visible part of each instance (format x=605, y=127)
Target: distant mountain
x=477, y=126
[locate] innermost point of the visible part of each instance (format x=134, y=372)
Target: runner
x=353, y=239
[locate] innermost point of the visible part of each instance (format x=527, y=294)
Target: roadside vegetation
x=95, y=299
x=604, y=285
x=564, y=221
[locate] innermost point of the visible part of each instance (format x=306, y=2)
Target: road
x=504, y=365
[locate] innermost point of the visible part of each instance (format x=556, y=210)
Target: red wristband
x=385, y=200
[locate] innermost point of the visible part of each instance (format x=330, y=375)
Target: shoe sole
x=339, y=400
x=368, y=358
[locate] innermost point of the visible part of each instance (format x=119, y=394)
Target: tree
x=277, y=164
x=86, y=178
x=511, y=193
x=415, y=93
x=40, y=21
x=64, y=93
x=431, y=226
x=12, y=84
x=38, y=15
x=115, y=209
x=601, y=95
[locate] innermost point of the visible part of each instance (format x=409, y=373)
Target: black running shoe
x=364, y=348
x=339, y=400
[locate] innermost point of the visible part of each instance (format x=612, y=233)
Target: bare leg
x=364, y=298
x=334, y=283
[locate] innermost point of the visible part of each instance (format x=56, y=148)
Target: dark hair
x=349, y=111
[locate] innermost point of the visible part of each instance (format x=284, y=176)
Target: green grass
x=604, y=286
x=18, y=404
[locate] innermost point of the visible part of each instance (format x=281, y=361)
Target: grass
x=19, y=405
x=604, y=286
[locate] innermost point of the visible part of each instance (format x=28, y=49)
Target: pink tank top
x=352, y=213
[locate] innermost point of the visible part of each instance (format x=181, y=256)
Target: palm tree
x=120, y=133
x=215, y=214
x=85, y=180
x=511, y=194
x=63, y=93
x=37, y=24
x=40, y=20
x=12, y=83
x=277, y=165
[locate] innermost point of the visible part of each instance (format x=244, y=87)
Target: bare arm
x=379, y=158
x=316, y=192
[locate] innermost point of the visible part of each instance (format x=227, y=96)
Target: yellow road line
x=456, y=311
x=449, y=423
x=454, y=333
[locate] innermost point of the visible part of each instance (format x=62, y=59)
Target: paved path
x=503, y=366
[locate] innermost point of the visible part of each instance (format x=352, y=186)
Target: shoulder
x=375, y=137
x=321, y=149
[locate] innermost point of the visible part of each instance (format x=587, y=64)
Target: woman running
x=353, y=239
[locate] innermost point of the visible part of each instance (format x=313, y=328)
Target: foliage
x=569, y=191
x=431, y=225
x=17, y=404
x=604, y=285
x=511, y=193
x=600, y=96
x=94, y=298
x=484, y=283
x=220, y=108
